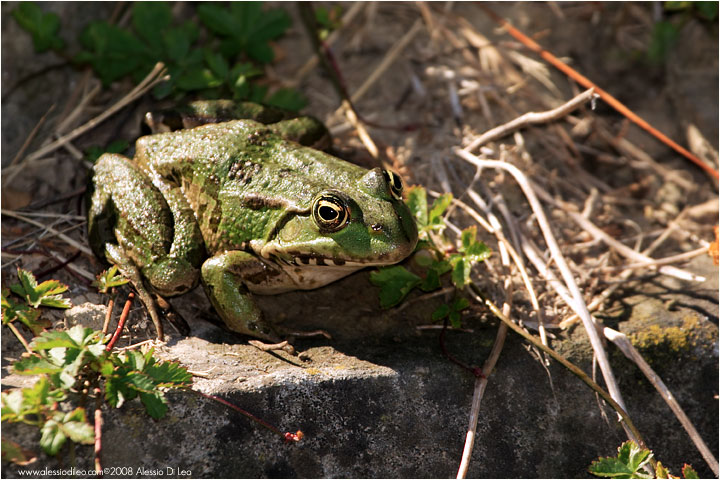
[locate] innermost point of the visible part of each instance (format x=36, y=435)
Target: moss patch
x=660, y=344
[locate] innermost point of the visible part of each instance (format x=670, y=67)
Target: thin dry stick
x=481, y=382
x=567, y=275
x=16, y=332
x=32, y=134
x=531, y=118
x=313, y=61
x=660, y=261
x=389, y=58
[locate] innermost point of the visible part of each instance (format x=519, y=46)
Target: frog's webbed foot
x=126, y=266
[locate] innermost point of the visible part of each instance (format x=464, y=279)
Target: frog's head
x=364, y=223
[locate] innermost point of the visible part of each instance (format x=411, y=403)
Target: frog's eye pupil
x=330, y=212
x=327, y=213
x=395, y=183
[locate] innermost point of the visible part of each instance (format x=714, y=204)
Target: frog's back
x=242, y=179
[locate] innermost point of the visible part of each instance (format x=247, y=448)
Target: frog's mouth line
x=311, y=260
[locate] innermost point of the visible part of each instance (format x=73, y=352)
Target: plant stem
x=121, y=322
x=19, y=336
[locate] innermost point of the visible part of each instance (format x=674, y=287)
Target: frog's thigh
x=223, y=278
x=144, y=226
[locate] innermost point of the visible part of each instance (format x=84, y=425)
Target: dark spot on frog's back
x=255, y=201
x=243, y=171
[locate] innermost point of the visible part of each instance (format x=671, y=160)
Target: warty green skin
x=231, y=204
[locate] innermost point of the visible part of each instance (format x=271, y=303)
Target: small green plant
x=633, y=461
x=432, y=255
x=109, y=279
x=33, y=296
x=215, y=57
x=66, y=363
x=42, y=26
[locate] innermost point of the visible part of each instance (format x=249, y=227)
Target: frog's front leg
x=223, y=277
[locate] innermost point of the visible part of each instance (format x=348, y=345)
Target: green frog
x=233, y=195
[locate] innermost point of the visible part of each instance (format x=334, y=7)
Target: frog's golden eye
x=330, y=212
x=395, y=183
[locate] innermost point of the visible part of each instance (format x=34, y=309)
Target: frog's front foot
x=222, y=278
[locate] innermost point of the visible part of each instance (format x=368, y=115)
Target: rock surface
x=390, y=405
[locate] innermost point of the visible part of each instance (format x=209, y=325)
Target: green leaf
x=109, y=279
x=150, y=19
x=12, y=405
x=169, y=374
x=441, y=312
x=113, y=52
x=74, y=426
x=708, y=11
x=629, y=463
x=35, y=366
x=13, y=452
x=689, y=472
x=155, y=404
x=664, y=36
x=217, y=63
x=46, y=294
x=198, y=78
x=287, y=99
x=395, y=283
x=431, y=281
x=52, y=438
x=461, y=271
x=438, y=209
x=417, y=203
x=42, y=26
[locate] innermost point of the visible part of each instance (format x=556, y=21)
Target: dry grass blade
x=64, y=237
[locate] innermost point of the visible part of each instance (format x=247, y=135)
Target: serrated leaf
x=217, y=63
x=12, y=404
x=35, y=366
x=441, y=312
x=431, y=281
x=395, y=283
x=629, y=463
x=169, y=374
x=155, y=404
x=198, y=78
x=52, y=437
x=417, y=203
x=150, y=19
x=454, y=318
x=74, y=425
x=438, y=208
x=661, y=471
x=689, y=472
x=461, y=272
